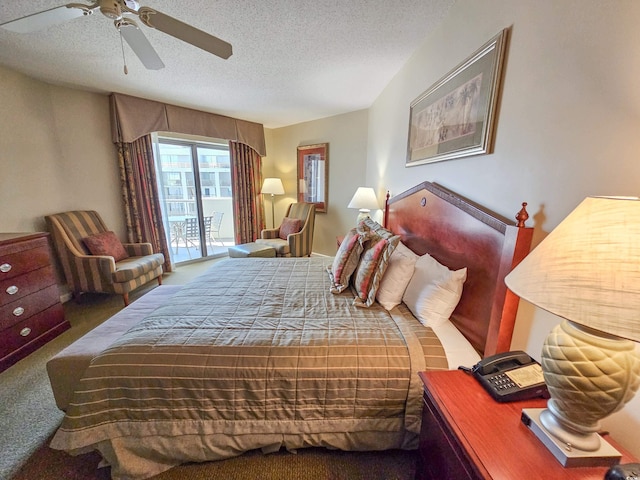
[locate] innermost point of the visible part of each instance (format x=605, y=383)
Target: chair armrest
x=270, y=233
x=138, y=249
x=99, y=272
x=296, y=243
x=101, y=263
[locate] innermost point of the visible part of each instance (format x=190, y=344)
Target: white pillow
x=433, y=291
x=397, y=277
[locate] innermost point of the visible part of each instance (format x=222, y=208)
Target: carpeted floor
x=29, y=418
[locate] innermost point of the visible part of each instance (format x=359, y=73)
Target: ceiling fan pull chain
x=124, y=60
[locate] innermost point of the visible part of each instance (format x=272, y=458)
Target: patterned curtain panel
x=140, y=196
x=246, y=178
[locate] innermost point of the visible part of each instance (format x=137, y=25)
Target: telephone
x=511, y=376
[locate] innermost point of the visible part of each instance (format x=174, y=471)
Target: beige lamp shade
x=364, y=199
x=272, y=186
x=588, y=269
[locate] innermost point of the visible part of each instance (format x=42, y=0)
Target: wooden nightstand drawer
x=24, y=261
x=17, y=339
x=14, y=312
x=24, y=332
x=437, y=442
x=15, y=288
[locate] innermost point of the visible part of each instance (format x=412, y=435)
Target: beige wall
x=347, y=139
x=567, y=128
x=55, y=154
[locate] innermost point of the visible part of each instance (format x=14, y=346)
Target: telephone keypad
x=502, y=381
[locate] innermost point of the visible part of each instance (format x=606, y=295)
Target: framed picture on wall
x=313, y=175
x=455, y=117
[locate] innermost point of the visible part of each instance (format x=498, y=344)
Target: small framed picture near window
x=454, y=118
x=313, y=175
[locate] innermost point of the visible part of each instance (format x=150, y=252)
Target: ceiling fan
x=120, y=11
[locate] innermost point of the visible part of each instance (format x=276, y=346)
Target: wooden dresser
x=30, y=309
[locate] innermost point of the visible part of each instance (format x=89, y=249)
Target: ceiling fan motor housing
x=111, y=9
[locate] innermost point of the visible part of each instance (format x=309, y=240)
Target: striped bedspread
x=254, y=347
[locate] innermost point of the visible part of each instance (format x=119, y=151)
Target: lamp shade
x=364, y=199
x=272, y=186
x=587, y=270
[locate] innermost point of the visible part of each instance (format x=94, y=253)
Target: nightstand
x=467, y=435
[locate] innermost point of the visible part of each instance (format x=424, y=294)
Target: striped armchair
x=85, y=272
x=297, y=244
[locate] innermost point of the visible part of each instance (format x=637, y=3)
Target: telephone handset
x=511, y=376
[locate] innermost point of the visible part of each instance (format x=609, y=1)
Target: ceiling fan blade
x=140, y=45
x=46, y=18
x=185, y=32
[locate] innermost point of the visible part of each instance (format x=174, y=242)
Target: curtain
x=140, y=195
x=246, y=179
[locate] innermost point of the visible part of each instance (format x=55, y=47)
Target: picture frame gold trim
x=455, y=117
x=313, y=175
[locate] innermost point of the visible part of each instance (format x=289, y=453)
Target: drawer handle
x=25, y=331
x=12, y=290
x=5, y=267
x=18, y=311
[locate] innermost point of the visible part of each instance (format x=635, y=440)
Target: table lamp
x=365, y=200
x=587, y=271
x=272, y=186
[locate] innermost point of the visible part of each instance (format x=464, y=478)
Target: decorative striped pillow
x=371, y=268
x=346, y=260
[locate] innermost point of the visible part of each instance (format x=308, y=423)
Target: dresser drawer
x=15, y=288
x=24, y=261
x=21, y=334
x=14, y=312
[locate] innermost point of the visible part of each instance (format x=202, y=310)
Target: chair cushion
x=281, y=246
x=289, y=226
x=134, y=267
x=106, y=243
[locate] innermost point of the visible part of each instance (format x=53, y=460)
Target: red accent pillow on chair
x=106, y=243
x=289, y=226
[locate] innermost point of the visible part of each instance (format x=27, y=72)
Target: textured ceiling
x=293, y=60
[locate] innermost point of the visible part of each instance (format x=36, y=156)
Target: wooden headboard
x=458, y=233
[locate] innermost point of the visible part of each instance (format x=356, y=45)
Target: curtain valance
x=133, y=117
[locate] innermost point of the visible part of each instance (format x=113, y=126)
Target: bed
x=259, y=353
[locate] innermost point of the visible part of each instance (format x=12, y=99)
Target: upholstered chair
x=94, y=260
x=299, y=243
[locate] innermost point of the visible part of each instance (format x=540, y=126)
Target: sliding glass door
x=195, y=187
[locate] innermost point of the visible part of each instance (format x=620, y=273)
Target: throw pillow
x=371, y=269
x=370, y=224
x=106, y=243
x=289, y=226
x=346, y=260
x=395, y=280
x=433, y=291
